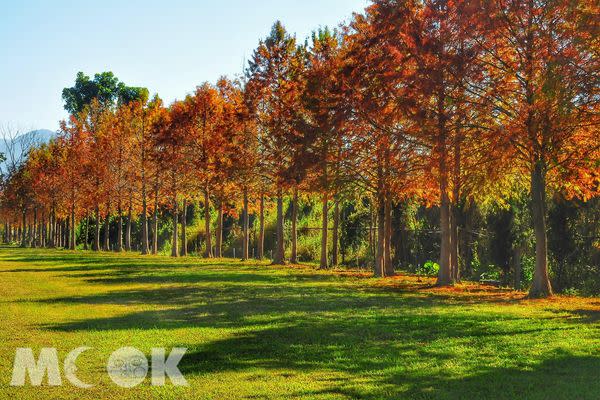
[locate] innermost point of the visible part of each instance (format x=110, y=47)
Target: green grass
x=258, y=332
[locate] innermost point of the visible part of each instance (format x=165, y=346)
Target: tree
x=389, y=159
x=238, y=150
x=543, y=72
x=144, y=115
x=93, y=101
x=425, y=54
x=205, y=113
x=274, y=86
x=323, y=126
x=75, y=156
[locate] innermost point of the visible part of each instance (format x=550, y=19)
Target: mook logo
x=127, y=367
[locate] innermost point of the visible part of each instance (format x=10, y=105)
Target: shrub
x=430, y=268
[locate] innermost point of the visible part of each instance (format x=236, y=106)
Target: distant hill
x=23, y=142
x=42, y=135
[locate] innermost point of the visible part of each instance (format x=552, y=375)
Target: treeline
x=458, y=106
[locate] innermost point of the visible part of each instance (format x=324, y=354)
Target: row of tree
x=447, y=102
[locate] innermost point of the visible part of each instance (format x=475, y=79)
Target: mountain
x=23, y=142
x=42, y=135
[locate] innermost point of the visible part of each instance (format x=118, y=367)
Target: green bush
x=309, y=248
x=430, y=268
x=528, y=266
x=571, y=292
x=493, y=273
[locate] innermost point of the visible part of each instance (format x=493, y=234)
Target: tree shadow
x=335, y=315
x=379, y=342
x=580, y=315
x=382, y=352
x=69, y=261
x=562, y=377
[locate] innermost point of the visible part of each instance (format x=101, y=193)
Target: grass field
x=259, y=332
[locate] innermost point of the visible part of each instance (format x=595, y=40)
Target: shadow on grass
x=564, y=377
x=373, y=338
x=383, y=351
x=342, y=314
x=366, y=342
x=50, y=260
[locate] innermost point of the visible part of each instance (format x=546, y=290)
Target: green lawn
x=258, y=332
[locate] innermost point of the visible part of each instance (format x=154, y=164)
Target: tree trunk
x=174, y=244
x=33, y=232
x=150, y=234
x=541, y=283
x=516, y=259
x=324, y=264
x=30, y=236
x=454, y=210
x=144, y=219
x=155, y=229
x=50, y=229
x=129, y=225
x=372, y=232
x=40, y=231
x=87, y=232
x=208, y=252
x=37, y=227
x=388, y=266
x=245, y=229
x=279, y=255
x=96, y=246
x=294, y=257
x=120, y=229
x=445, y=273
x=184, y=251
x=59, y=233
x=261, y=229
x=106, y=245
x=50, y=241
x=34, y=241
x=47, y=231
x=380, y=258
x=219, y=231
x=66, y=233
x=336, y=232
x=43, y=231
x=155, y=212
x=454, y=261
x=72, y=233
x=23, y=235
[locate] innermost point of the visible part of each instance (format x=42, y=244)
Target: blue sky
x=167, y=46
